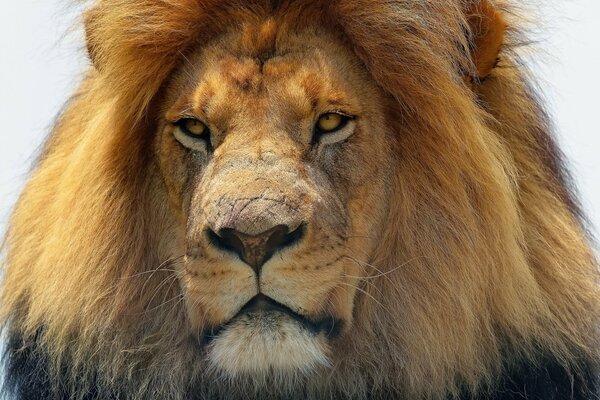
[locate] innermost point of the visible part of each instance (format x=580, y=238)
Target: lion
x=301, y=199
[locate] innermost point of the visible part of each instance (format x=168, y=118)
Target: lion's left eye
x=331, y=122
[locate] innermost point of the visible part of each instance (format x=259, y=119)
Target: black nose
x=255, y=250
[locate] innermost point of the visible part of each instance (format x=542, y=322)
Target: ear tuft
x=88, y=22
x=487, y=29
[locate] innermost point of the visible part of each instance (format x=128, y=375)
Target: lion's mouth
x=261, y=306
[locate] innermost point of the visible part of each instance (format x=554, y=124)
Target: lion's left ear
x=487, y=36
x=90, y=41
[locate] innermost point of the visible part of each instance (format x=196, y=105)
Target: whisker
x=372, y=285
x=149, y=272
x=159, y=268
x=179, y=297
x=123, y=280
x=169, y=279
x=381, y=273
x=189, y=62
x=365, y=293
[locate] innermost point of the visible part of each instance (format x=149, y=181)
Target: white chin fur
x=261, y=344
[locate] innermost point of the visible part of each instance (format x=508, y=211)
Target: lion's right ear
x=487, y=28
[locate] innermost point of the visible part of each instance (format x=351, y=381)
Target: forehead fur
x=410, y=40
x=303, y=74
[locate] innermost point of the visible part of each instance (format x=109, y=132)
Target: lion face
x=270, y=151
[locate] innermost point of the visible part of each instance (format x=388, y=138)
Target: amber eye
x=193, y=134
x=192, y=127
x=332, y=128
x=331, y=122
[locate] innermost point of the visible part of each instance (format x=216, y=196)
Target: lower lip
x=330, y=326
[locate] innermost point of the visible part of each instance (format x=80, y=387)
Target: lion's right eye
x=192, y=134
x=192, y=127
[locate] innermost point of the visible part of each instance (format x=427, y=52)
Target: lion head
x=296, y=199
x=269, y=146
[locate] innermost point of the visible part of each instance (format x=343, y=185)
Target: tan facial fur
x=263, y=166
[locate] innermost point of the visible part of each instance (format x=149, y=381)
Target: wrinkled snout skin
x=269, y=208
x=251, y=189
x=254, y=190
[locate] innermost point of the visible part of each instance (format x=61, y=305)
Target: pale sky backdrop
x=42, y=56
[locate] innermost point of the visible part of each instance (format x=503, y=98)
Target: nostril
x=290, y=238
x=225, y=240
x=255, y=250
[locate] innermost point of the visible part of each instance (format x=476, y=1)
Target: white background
x=42, y=57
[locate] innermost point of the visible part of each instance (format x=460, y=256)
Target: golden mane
x=484, y=257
